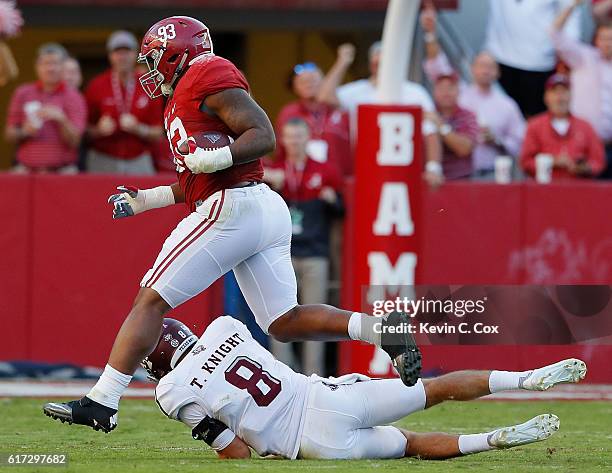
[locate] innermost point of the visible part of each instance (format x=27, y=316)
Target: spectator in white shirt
x=353, y=94
x=591, y=75
x=518, y=37
x=501, y=124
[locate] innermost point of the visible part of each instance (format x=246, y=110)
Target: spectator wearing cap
x=572, y=141
x=46, y=119
x=591, y=77
x=457, y=127
x=311, y=190
x=501, y=125
x=518, y=38
x=350, y=96
x=329, y=126
x=123, y=122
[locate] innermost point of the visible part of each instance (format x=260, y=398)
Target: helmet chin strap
x=168, y=89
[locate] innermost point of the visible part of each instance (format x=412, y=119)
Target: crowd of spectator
x=501, y=125
x=533, y=67
x=532, y=62
x=112, y=127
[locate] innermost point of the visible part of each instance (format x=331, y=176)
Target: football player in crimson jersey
x=232, y=393
x=236, y=223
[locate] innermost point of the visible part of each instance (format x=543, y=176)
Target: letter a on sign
x=396, y=134
x=393, y=210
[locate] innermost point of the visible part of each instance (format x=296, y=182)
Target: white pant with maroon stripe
x=247, y=230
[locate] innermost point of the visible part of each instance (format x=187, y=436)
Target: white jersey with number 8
x=235, y=380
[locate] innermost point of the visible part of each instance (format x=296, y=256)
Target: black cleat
x=401, y=347
x=83, y=412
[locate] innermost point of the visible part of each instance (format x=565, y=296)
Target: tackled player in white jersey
x=234, y=394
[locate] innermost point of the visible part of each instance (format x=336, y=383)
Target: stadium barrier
x=69, y=273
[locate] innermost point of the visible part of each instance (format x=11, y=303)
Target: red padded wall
x=73, y=271
x=15, y=215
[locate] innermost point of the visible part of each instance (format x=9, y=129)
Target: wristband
x=205, y=160
x=155, y=198
x=213, y=432
x=433, y=167
x=223, y=440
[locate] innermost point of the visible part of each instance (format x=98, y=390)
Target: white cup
x=503, y=169
x=31, y=110
x=544, y=165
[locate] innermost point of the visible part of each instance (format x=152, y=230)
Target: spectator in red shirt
x=123, y=122
x=311, y=190
x=329, y=126
x=573, y=143
x=46, y=119
x=458, y=128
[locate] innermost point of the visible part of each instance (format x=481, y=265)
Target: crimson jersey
x=184, y=116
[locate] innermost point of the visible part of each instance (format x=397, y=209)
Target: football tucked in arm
x=206, y=140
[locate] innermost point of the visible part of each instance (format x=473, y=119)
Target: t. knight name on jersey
x=235, y=380
x=224, y=349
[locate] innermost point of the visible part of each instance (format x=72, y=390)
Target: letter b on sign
x=396, y=134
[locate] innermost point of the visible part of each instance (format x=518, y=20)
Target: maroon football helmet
x=168, y=48
x=175, y=340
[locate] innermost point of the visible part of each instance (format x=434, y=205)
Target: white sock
x=362, y=327
x=354, y=326
x=109, y=388
x=506, y=380
x=474, y=443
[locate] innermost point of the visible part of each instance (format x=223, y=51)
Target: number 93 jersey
x=234, y=379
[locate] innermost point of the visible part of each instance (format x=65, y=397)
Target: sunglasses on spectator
x=305, y=67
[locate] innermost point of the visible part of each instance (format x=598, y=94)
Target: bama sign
x=385, y=219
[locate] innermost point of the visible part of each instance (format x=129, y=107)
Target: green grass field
x=146, y=441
